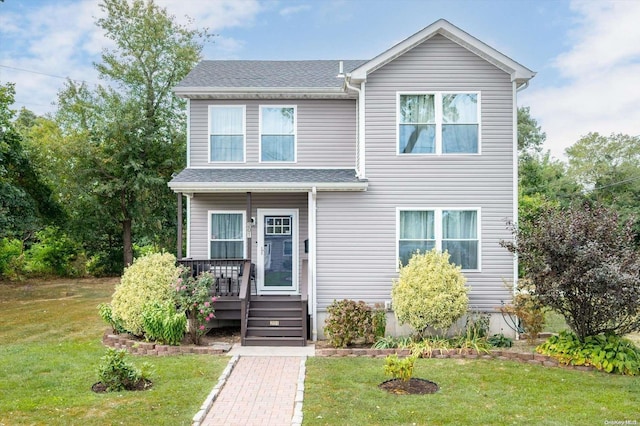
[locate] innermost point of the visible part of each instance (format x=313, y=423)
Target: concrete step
x=274, y=341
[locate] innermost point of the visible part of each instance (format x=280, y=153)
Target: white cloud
x=600, y=70
x=292, y=10
x=60, y=38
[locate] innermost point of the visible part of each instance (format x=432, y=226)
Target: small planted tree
x=430, y=292
x=583, y=263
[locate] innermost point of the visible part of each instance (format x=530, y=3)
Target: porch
x=265, y=320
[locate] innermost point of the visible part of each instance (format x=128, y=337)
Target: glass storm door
x=277, y=251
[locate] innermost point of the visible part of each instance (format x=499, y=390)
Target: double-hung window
x=226, y=235
x=226, y=133
x=278, y=133
x=453, y=230
x=438, y=123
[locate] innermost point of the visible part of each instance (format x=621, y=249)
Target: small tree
x=430, y=292
x=583, y=263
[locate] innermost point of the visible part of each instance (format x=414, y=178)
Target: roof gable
x=519, y=73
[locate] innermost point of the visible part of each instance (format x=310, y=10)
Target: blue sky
x=586, y=53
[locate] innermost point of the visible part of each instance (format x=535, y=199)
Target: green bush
x=379, y=318
x=347, y=321
x=609, y=353
x=500, y=341
x=106, y=313
x=399, y=368
x=429, y=292
x=162, y=323
x=118, y=374
x=11, y=256
x=55, y=253
x=149, y=279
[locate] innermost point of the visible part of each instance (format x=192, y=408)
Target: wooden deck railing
x=227, y=273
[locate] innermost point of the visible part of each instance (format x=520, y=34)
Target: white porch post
x=312, y=263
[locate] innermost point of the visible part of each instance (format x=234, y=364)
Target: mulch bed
x=413, y=386
x=140, y=385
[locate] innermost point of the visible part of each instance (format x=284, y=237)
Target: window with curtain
x=226, y=133
x=226, y=237
x=438, y=123
x=455, y=231
x=278, y=134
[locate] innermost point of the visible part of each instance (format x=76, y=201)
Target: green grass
x=50, y=348
x=344, y=391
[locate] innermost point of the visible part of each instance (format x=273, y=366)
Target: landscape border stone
x=136, y=347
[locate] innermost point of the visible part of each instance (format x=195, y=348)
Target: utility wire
x=45, y=74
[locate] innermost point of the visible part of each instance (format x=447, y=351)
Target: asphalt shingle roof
x=267, y=175
x=268, y=74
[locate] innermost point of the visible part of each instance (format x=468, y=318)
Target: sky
x=586, y=53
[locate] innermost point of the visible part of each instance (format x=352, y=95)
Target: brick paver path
x=260, y=391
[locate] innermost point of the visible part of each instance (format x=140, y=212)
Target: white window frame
x=244, y=133
x=438, y=229
x=244, y=229
x=439, y=121
x=295, y=134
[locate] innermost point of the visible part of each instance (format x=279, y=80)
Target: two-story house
x=327, y=174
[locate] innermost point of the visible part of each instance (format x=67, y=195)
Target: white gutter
x=312, y=261
x=207, y=187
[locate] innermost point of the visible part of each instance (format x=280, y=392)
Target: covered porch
x=264, y=222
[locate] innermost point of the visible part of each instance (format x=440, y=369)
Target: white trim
x=515, y=166
x=262, y=93
x=189, y=136
x=244, y=133
x=295, y=250
x=438, y=229
x=312, y=232
x=362, y=130
x=439, y=121
x=244, y=229
x=188, y=226
x=518, y=72
x=295, y=133
x=205, y=187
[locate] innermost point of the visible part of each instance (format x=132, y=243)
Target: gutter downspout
x=359, y=125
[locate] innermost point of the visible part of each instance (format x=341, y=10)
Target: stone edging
x=529, y=358
x=296, y=420
x=136, y=347
x=208, y=403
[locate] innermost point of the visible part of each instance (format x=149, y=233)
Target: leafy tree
x=530, y=134
x=132, y=132
x=26, y=203
x=583, y=263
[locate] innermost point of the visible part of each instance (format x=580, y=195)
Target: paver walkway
x=260, y=391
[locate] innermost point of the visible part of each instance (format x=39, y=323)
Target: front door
x=277, y=251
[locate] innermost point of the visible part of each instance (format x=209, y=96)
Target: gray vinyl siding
x=356, y=243
x=326, y=133
x=201, y=204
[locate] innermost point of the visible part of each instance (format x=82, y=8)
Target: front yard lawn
x=50, y=347
x=344, y=391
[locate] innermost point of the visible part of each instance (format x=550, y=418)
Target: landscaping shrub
x=118, y=374
x=584, y=264
x=609, y=353
x=399, y=368
x=528, y=308
x=193, y=297
x=500, y=341
x=106, y=313
x=148, y=279
x=379, y=318
x=347, y=321
x=430, y=292
x=161, y=323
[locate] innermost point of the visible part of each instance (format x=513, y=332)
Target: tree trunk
x=126, y=242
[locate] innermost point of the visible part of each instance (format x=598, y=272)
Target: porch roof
x=266, y=180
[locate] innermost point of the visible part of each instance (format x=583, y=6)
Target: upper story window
x=226, y=133
x=278, y=134
x=453, y=230
x=438, y=123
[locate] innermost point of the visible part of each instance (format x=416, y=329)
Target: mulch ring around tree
x=140, y=385
x=411, y=387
